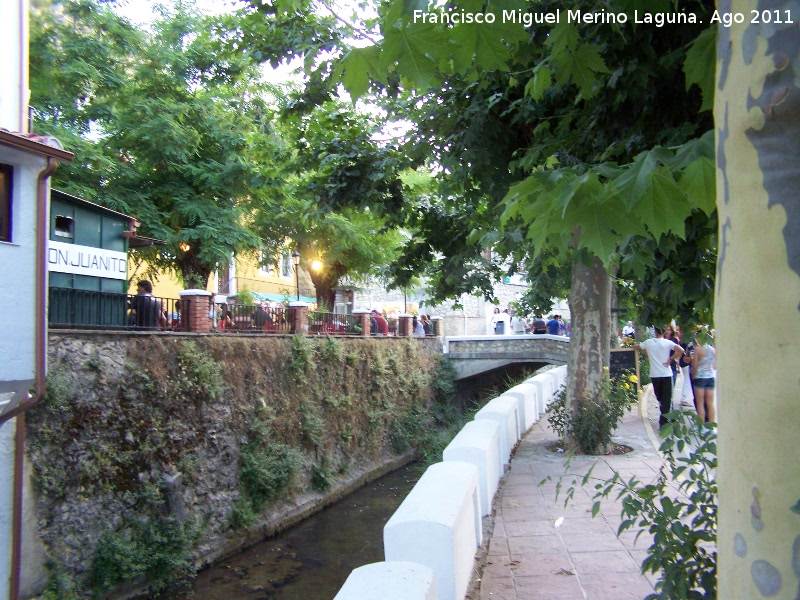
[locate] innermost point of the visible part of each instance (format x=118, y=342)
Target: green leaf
x=699, y=182
x=664, y=207
x=488, y=47
x=580, y=67
x=541, y=81
x=700, y=65
x=632, y=182
x=595, y=509
x=410, y=49
x=563, y=37
x=359, y=65
x=602, y=218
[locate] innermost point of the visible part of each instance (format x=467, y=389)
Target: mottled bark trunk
x=591, y=324
x=758, y=282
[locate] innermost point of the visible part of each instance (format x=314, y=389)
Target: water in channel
x=311, y=560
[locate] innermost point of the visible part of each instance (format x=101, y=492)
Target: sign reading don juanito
x=85, y=260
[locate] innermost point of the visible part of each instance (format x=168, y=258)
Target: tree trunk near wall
x=325, y=283
x=758, y=287
x=589, y=350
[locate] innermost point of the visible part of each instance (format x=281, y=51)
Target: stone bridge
x=473, y=355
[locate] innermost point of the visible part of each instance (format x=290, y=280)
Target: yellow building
x=276, y=282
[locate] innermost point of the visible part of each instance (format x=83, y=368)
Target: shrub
x=158, y=549
x=200, y=375
x=591, y=424
x=322, y=476
x=267, y=472
x=302, y=357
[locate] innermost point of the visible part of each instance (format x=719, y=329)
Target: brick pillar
x=298, y=317
x=363, y=316
x=194, y=310
x=438, y=326
x=404, y=326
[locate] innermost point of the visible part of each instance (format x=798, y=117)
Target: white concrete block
x=547, y=389
x=504, y=410
x=562, y=370
x=559, y=374
x=528, y=396
x=478, y=443
x=389, y=581
x=439, y=525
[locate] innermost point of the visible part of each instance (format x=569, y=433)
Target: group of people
x=697, y=362
x=420, y=326
x=509, y=321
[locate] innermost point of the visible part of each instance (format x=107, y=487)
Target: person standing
x=539, y=325
x=417, y=329
x=517, y=324
x=553, y=326
x=670, y=334
x=661, y=353
x=704, y=375
x=381, y=324
x=502, y=322
x=629, y=330
x=687, y=393
x=146, y=308
x=427, y=325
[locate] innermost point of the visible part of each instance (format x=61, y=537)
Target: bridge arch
x=473, y=355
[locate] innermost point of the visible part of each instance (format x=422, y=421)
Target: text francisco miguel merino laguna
x=457, y=17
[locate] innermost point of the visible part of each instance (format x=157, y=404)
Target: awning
x=263, y=297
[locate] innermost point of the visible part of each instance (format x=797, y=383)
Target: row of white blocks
x=430, y=541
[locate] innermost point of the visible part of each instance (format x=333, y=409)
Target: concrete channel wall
x=431, y=540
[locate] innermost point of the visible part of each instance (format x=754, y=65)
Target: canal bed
x=311, y=560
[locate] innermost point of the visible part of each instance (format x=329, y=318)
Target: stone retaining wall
x=145, y=426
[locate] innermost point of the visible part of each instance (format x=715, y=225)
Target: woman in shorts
x=704, y=375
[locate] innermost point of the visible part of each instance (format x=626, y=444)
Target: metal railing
x=252, y=318
x=325, y=323
x=90, y=309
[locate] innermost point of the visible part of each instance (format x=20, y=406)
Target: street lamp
x=296, y=262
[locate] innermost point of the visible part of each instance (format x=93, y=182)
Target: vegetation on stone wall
x=248, y=425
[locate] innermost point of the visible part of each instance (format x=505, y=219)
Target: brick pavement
x=539, y=548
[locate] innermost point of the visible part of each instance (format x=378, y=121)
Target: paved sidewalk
x=533, y=553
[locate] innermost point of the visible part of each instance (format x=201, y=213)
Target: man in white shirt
x=517, y=324
x=661, y=353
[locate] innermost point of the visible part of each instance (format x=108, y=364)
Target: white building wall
x=473, y=319
x=14, y=66
x=18, y=271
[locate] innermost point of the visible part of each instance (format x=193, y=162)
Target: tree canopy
x=174, y=126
